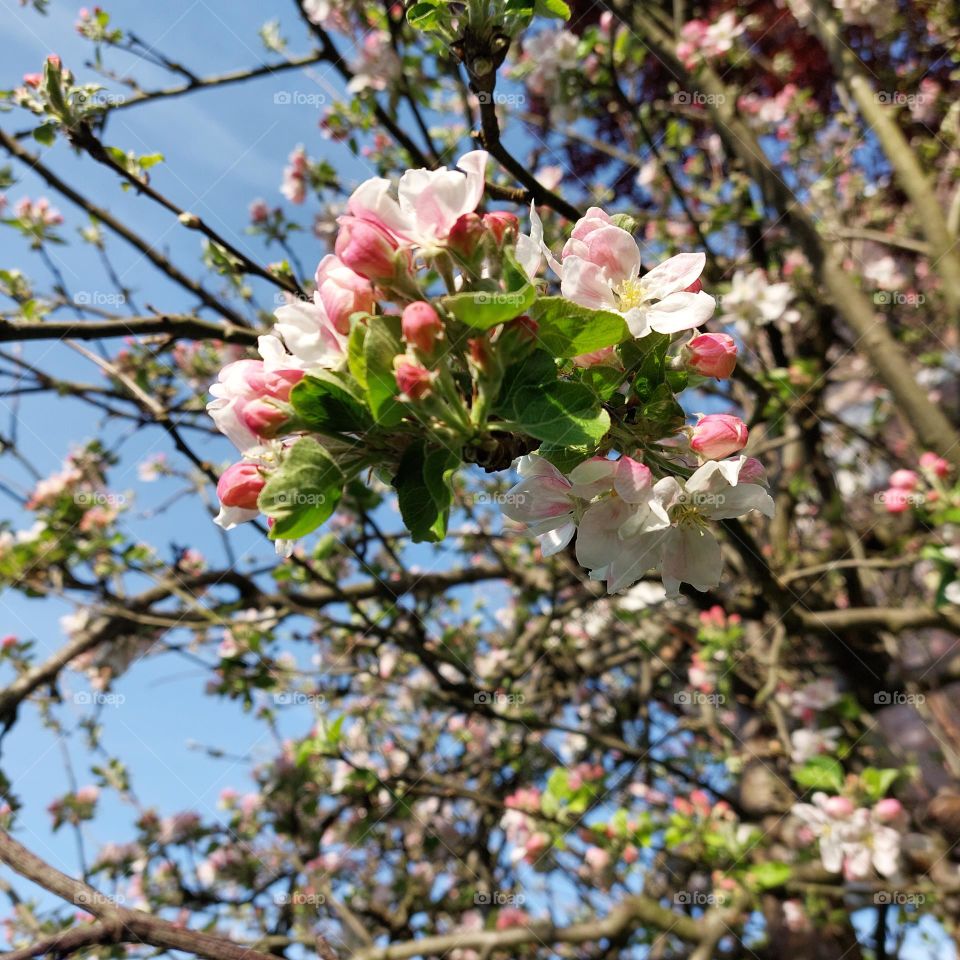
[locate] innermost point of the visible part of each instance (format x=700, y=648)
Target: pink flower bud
x=630, y=854
x=753, y=471
x=413, y=379
x=8, y=641
x=240, y=485
x=466, y=235
x=499, y=222
x=53, y=60
x=718, y=435
x=711, y=355
x=421, y=326
x=904, y=480
x=695, y=287
x=366, y=248
x=259, y=211
x=342, y=292
x=888, y=810
x=838, y=807
x=262, y=417
x=597, y=859
x=595, y=358
x=934, y=464
x=33, y=79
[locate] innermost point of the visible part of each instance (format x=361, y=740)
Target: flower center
x=631, y=294
x=687, y=515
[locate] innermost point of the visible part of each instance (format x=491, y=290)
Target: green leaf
x=820, y=773
x=150, y=160
x=563, y=414
x=483, y=309
x=536, y=369
x=565, y=458
x=356, y=362
x=303, y=492
x=381, y=344
x=424, y=16
x=329, y=402
x=602, y=379
x=646, y=358
x=567, y=330
x=552, y=8
x=424, y=492
x=46, y=134
x=766, y=876
x=878, y=782
x=624, y=221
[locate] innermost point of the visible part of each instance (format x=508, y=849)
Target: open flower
x=428, y=202
x=544, y=501
x=620, y=541
x=247, y=384
x=601, y=270
x=311, y=337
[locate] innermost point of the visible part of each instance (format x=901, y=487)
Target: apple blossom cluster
x=854, y=840
x=430, y=341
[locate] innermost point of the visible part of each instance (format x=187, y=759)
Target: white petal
x=681, y=311
x=673, y=275
x=554, y=541
x=692, y=555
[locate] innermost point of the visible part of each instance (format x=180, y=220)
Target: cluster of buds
x=926, y=486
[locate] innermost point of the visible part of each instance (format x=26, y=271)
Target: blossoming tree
x=580, y=532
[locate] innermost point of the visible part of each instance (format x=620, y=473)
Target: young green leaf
x=303, y=492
